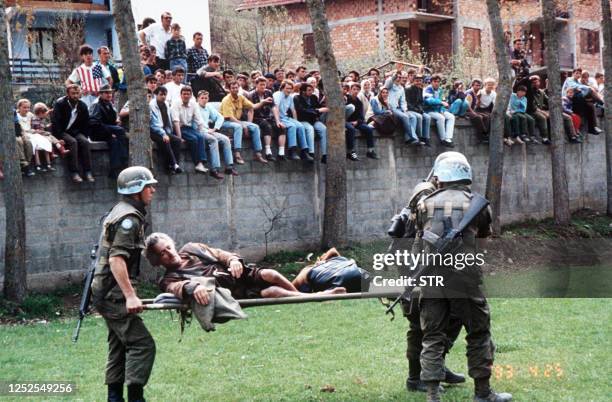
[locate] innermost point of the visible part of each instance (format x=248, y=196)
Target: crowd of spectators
x=282, y=112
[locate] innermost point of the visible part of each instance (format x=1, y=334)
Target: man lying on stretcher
x=331, y=270
x=198, y=259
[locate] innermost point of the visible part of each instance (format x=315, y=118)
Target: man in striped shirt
x=89, y=76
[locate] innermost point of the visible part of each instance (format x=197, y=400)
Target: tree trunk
x=334, y=217
x=561, y=208
x=140, y=144
x=15, y=275
x=606, y=25
x=496, y=137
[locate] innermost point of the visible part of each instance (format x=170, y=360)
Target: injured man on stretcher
x=228, y=269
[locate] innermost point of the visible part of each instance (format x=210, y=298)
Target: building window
x=402, y=35
x=589, y=41
x=471, y=40
x=41, y=45
x=309, y=45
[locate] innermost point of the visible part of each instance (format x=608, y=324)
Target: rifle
x=443, y=243
x=86, y=294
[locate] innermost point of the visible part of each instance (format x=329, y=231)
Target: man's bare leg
x=275, y=278
x=276, y=291
x=281, y=287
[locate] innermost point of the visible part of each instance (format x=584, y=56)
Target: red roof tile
x=250, y=4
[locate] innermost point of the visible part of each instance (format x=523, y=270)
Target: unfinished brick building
x=371, y=28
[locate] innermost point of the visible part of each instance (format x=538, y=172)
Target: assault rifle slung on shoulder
x=446, y=242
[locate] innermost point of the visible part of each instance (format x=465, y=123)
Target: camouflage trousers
x=473, y=314
x=131, y=349
x=414, y=335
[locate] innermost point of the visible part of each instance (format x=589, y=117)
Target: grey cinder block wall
x=235, y=214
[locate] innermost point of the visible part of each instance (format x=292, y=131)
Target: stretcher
x=177, y=304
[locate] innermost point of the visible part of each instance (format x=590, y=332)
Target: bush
x=38, y=305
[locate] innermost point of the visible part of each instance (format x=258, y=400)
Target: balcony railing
x=442, y=7
x=32, y=72
x=37, y=72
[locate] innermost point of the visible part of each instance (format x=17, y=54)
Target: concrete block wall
x=62, y=218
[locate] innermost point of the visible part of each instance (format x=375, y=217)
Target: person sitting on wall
x=438, y=111
x=582, y=107
x=332, y=271
x=264, y=118
x=480, y=121
x=104, y=126
x=357, y=122
x=70, y=122
x=210, y=79
x=229, y=270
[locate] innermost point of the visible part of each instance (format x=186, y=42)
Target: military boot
x=452, y=378
x=417, y=385
x=433, y=391
x=494, y=397
x=484, y=393
x=135, y=393
x=115, y=393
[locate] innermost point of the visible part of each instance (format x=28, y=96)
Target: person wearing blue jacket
x=211, y=117
x=522, y=125
x=436, y=108
x=161, y=132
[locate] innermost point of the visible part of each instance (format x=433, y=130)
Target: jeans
x=409, y=122
x=423, y=124
x=225, y=144
x=119, y=147
x=255, y=136
x=445, y=124
x=235, y=129
x=459, y=107
x=197, y=143
x=295, y=130
x=321, y=131
x=349, y=110
x=352, y=130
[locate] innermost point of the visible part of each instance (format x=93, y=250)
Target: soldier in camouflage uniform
x=131, y=349
x=461, y=294
x=410, y=308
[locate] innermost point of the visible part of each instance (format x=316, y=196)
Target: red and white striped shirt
x=90, y=78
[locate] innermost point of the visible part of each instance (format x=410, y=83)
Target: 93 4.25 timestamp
x=510, y=371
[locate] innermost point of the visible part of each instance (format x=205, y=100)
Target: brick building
x=371, y=28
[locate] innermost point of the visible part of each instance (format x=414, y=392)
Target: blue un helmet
x=453, y=169
x=134, y=179
x=445, y=155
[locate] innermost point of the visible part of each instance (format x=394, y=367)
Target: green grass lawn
x=547, y=350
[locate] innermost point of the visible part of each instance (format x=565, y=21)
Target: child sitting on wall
x=40, y=124
x=41, y=145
